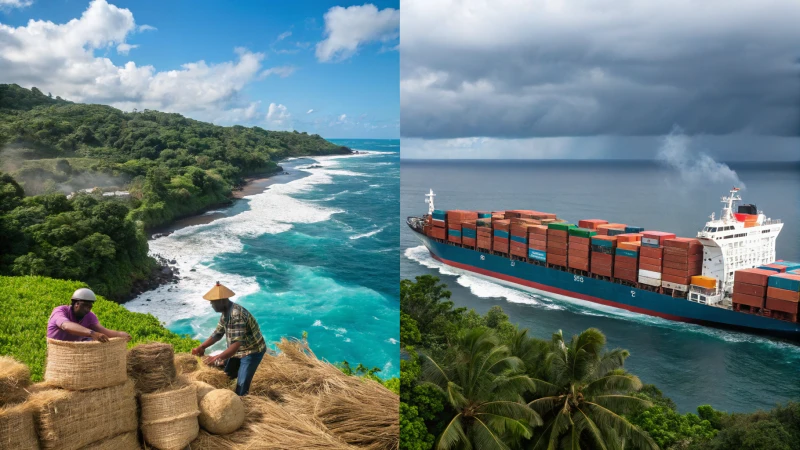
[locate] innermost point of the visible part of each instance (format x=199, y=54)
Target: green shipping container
x=561, y=226
x=582, y=232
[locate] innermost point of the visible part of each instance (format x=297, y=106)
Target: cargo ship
x=726, y=277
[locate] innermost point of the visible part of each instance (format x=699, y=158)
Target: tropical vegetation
x=169, y=166
x=477, y=382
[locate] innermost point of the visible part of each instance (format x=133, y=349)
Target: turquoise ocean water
x=317, y=251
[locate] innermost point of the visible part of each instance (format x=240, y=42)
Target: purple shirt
x=63, y=314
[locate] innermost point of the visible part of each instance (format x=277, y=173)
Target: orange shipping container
x=706, y=282
x=629, y=245
x=591, y=223
x=651, y=252
x=786, y=306
x=783, y=294
x=749, y=300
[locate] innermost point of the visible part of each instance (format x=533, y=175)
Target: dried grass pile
x=221, y=412
x=211, y=375
x=202, y=389
x=186, y=363
x=151, y=366
x=17, y=430
x=68, y=420
x=169, y=417
x=359, y=412
x=15, y=377
x=269, y=426
x=74, y=365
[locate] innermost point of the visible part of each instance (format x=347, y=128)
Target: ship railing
x=772, y=221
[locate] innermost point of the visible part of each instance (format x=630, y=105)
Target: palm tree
x=484, y=384
x=584, y=396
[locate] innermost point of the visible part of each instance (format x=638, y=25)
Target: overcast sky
x=599, y=78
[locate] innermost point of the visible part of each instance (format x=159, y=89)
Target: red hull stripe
x=563, y=292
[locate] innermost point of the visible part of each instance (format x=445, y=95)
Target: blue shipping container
x=770, y=268
x=790, y=265
x=644, y=244
x=469, y=232
x=626, y=252
x=519, y=239
x=537, y=255
x=501, y=234
x=456, y=233
x=784, y=283
x=602, y=243
x=614, y=232
x=484, y=215
x=634, y=229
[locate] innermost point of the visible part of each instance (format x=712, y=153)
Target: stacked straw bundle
x=78, y=366
x=151, y=367
x=86, y=399
x=169, y=417
x=194, y=370
x=14, y=379
x=69, y=420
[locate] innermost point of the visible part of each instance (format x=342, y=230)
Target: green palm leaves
x=583, y=396
x=484, y=384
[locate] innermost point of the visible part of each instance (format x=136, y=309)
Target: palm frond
x=606, y=419
x=512, y=409
x=453, y=435
x=613, y=383
x=561, y=424
x=585, y=422
x=543, y=387
x=503, y=424
x=621, y=404
x=611, y=360
x=486, y=438
x=545, y=405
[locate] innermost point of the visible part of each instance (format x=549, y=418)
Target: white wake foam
x=371, y=233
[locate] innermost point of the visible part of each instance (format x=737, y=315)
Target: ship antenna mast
x=429, y=201
x=727, y=211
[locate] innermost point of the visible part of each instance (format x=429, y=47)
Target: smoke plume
x=694, y=167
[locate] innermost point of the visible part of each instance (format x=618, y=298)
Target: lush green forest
x=171, y=166
x=477, y=382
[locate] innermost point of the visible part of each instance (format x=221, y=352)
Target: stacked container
x=469, y=233
x=454, y=223
x=484, y=233
x=651, y=257
x=602, y=259
x=501, y=235
x=783, y=295
x=519, y=236
x=579, y=248
x=626, y=257
x=750, y=287
x=591, y=223
x=558, y=243
x=537, y=243
x=454, y=231
x=683, y=259
x=777, y=268
x=439, y=218
x=438, y=226
x=603, y=230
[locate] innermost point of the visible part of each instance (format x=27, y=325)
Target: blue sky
x=244, y=62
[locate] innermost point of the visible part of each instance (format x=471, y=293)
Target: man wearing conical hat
x=246, y=346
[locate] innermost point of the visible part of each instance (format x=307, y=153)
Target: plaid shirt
x=240, y=326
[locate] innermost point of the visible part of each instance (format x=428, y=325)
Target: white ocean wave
x=371, y=233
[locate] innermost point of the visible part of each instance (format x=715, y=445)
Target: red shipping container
x=555, y=244
x=783, y=294
x=557, y=260
x=750, y=289
x=626, y=262
x=578, y=252
x=578, y=263
x=651, y=252
x=776, y=266
x=591, y=223
x=551, y=233
x=661, y=236
x=786, y=306
x=438, y=233
x=579, y=240
x=649, y=261
x=537, y=247
x=485, y=244
x=602, y=270
x=676, y=279
x=758, y=277
x=683, y=259
x=556, y=251
x=629, y=237
x=749, y=300
x=679, y=272
x=649, y=267
x=538, y=229
x=469, y=225
x=680, y=242
x=457, y=215
x=537, y=239
x=625, y=274
x=602, y=259
x=501, y=224
x=453, y=238
x=557, y=239
x=469, y=241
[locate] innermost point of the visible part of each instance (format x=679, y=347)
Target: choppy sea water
x=692, y=364
x=318, y=252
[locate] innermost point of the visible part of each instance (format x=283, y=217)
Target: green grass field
x=25, y=307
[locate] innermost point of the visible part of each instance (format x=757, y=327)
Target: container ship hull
x=556, y=283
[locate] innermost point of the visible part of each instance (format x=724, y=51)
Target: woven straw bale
x=186, y=362
x=211, y=375
x=125, y=441
x=151, y=367
x=81, y=366
x=221, y=412
x=69, y=420
x=17, y=430
x=202, y=389
x=169, y=419
x=14, y=378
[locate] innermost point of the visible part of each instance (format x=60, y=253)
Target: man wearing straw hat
x=246, y=346
x=77, y=322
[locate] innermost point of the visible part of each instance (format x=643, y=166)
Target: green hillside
x=28, y=301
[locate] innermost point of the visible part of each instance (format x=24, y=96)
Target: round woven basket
x=78, y=366
x=169, y=419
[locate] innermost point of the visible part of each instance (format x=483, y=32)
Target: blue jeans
x=243, y=369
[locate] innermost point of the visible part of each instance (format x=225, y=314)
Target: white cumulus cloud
x=348, y=28
x=123, y=49
x=147, y=28
x=60, y=58
x=281, y=71
x=310, y=111
x=8, y=4
x=278, y=116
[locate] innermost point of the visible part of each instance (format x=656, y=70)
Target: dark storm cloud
x=516, y=69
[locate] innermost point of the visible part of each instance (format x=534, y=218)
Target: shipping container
x=626, y=252
x=591, y=223
x=750, y=289
x=439, y=233
x=656, y=282
x=651, y=252
x=625, y=274
x=582, y=232
x=675, y=286
x=773, y=267
x=561, y=226
x=633, y=246
x=537, y=255
x=783, y=294
x=753, y=276
x=629, y=237
x=749, y=300
x=557, y=260
x=786, y=306
x=649, y=273
x=604, y=241
x=704, y=281
x=615, y=231
x=786, y=281
x=630, y=229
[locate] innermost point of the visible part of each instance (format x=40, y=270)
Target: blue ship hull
x=556, y=283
